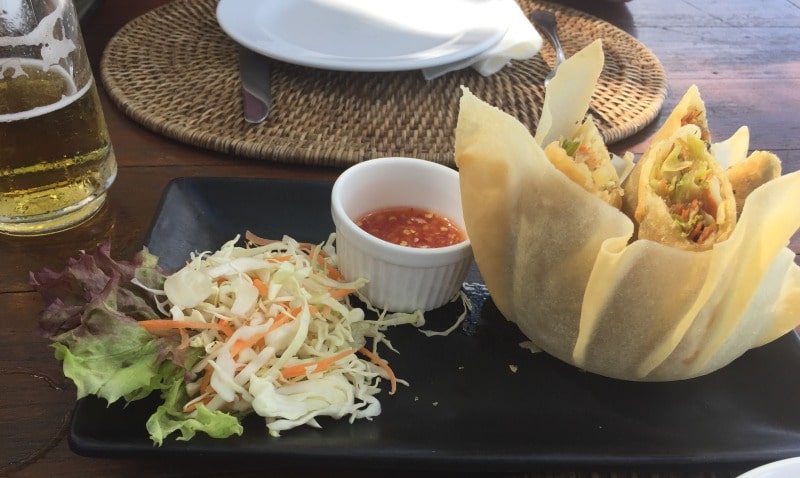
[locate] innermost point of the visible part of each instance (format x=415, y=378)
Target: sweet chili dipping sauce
x=411, y=226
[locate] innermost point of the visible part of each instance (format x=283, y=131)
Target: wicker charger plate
x=174, y=71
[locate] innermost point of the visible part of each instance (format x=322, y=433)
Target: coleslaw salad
x=267, y=328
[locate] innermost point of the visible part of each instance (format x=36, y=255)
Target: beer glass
x=56, y=159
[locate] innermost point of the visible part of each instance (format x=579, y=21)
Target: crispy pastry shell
x=559, y=262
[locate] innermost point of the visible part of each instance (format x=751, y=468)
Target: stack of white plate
x=364, y=35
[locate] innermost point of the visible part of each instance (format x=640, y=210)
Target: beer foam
x=65, y=100
x=53, y=50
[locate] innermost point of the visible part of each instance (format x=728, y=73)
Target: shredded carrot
x=205, y=380
x=382, y=364
x=206, y=392
x=184, y=339
x=332, y=272
x=280, y=320
x=225, y=327
x=318, y=366
x=682, y=211
x=244, y=344
x=263, y=290
x=339, y=293
x=284, y=317
x=697, y=231
x=706, y=234
x=257, y=240
x=154, y=325
x=191, y=406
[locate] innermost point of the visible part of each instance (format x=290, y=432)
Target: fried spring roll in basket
x=565, y=266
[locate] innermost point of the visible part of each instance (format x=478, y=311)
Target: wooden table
x=744, y=55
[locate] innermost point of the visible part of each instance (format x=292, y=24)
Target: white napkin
x=520, y=42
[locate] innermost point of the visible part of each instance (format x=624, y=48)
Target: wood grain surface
x=743, y=54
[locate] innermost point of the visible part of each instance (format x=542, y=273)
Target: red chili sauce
x=411, y=226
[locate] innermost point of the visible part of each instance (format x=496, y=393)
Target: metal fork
x=546, y=22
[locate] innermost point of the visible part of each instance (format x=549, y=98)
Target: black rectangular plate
x=465, y=408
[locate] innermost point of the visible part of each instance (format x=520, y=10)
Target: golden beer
x=56, y=160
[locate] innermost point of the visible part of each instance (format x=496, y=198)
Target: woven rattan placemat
x=174, y=71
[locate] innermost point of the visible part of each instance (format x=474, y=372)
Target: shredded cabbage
x=288, y=338
x=267, y=328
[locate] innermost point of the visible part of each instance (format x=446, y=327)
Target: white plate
x=788, y=468
x=364, y=35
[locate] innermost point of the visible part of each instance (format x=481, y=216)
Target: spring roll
x=746, y=173
x=585, y=159
x=685, y=200
x=690, y=110
x=570, y=138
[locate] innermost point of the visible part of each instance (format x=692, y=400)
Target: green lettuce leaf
x=170, y=418
x=91, y=312
x=110, y=355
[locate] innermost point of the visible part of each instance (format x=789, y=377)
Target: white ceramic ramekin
x=401, y=279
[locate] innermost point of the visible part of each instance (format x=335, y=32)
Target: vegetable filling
x=689, y=189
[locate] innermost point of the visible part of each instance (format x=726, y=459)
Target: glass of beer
x=56, y=159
